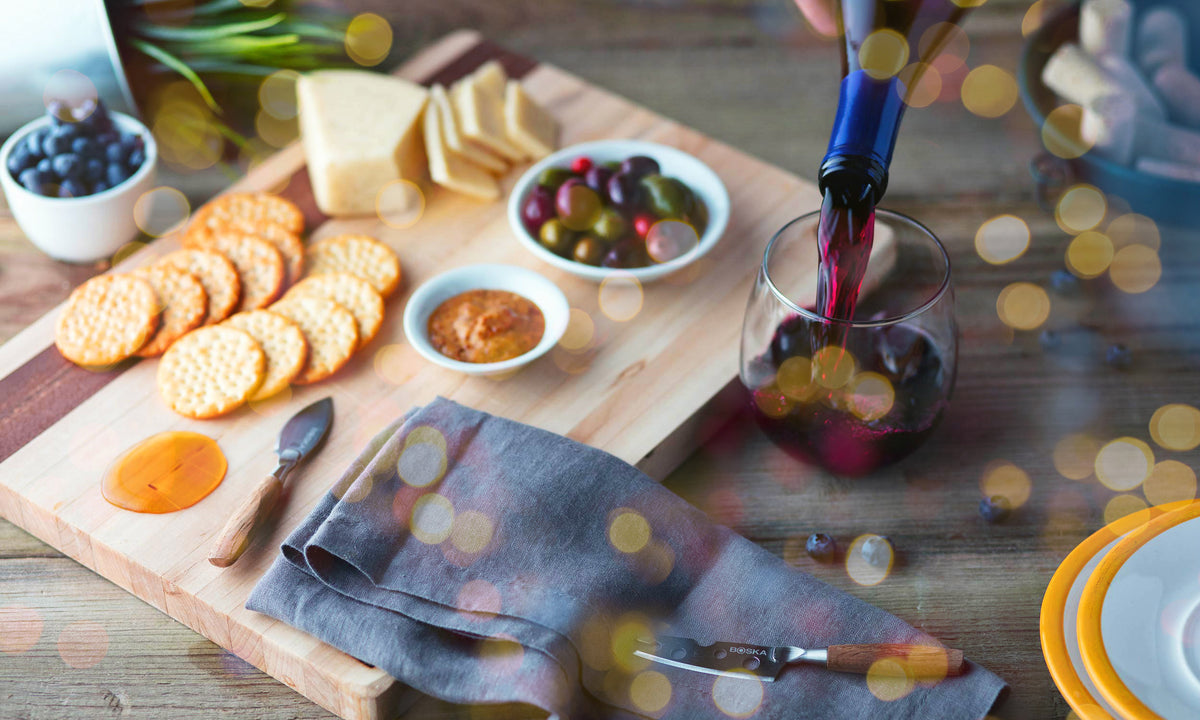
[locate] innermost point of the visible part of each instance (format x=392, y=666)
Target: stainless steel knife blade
x=304, y=432
x=719, y=658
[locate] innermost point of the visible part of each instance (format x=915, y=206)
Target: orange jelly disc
x=165, y=472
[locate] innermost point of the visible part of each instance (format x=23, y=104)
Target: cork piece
x=210, y=371
x=281, y=341
x=360, y=255
x=285, y=241
x=259, y=266
x=353, y=293
x=181, y=300
x=328, y=327
x=255, y=207
x=217, y=276
x=106, y=319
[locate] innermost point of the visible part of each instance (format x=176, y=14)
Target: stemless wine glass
x=852, y=395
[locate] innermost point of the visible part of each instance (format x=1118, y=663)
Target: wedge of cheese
x=450, y=170
x=527, y=124
x=481, y=118
x=491, y=78
x=454, y=139
x=360, y=130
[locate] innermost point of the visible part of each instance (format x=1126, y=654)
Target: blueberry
x=46, y=167
x=995, y=508
x=31, y=180
x=18, y=160
x=33, y=143
x=1050, y=340
x=132, y=142
x=68, y=166
x=137, y=156
x=115, y=174
x=68, y=132
x=55, y=144
x=99, y=186
x=85, y=147
x=821, y=547
x=1064, y=282
x=72, y=188
x=1119, y=356
x=97, y=116
x=116, y=153
x=93, y=170
x=107, y=137
x=877, y=551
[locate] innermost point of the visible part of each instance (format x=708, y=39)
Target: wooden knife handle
x=235, y=536
x=919, y=661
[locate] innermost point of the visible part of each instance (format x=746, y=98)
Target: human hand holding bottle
x=820, y=14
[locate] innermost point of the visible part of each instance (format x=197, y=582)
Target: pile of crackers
x=244, y=310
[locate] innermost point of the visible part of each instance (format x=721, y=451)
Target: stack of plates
x=1121, y=619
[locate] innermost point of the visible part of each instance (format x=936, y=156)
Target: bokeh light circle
x=421, y=464
x=620, y=296
x=1169, y=481
x=71, y=87
x=161, y=211
x=870, y=396
x=20, y=629
x=277, y=94
x=628, y=531
x=274, y=131
x=1134, y=229
x=1123, y=464
x=883, y=53
x=580, y=332
x=1002, y=239
x=480, y=597
x=390, y=366
x=920, y=84
x=1034, y=17
x=368, y=39
x=860, y=569
x=989, y=91
x=1081, y=207
x=472, y=532
x=1075, y=456
x=945, y=46
x=738, y=693
x=400, y=204
x=432, y=518
x=1121, y=506
x=650, y=691
x=889, y=679
x=1061, y=133
x=1135, y=269
x=83, y=644
x=1008, y=481
x=1176, y=427
x=795, y=378
x=833, y=366
x=1023, y=306
x=1089, y=254
x=669, y=239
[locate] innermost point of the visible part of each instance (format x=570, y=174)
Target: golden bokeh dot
x=626, y=632
x=1124, y=463
x=126, y=250
x=580, y=332
x=946, y=45
x=772, y=401
x=883, y=53
x=620, y=296
x=161, y=211
x=795, y=378
x=503, y=652
x=432, y=518
x=1089, y=254
x=275, y=131
x=1002, y=239
x=989, y=91
x=833, y=366
x=472, y=532
x=1135, y=269
x=889, y=679
x=390, y=365
x=1134, y=229
x=277, y=94
x=1176, y=427
x=421, y=464
x=358, y=490
x=670, y=239
x=920, y=84
x=368, y=39
x=70, y=86
x=479, y=596
x=1080, y=208
x=650, y=691
x=628, y=531
x=1023, y=306
x=1075, y=456
x=738, y=693
x=969, y=3
x=1008, y=481
x=655, y=562
x=860, y=569
x=186, y=132
x=1034, y=17
x=595, y=643
x=426, y=434
x=83, y=644
x=870, y=396
x=1121, y=506
x=1061, y=132
x=1169, y=481
x=400, y=204
x=20, y=628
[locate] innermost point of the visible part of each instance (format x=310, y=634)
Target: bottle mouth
x=899, y=219
x=853, y=179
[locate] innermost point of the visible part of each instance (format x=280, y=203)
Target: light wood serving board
x=636, y=394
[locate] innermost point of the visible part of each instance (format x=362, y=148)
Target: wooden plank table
x=749, y=74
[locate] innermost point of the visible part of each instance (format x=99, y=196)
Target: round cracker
x=255, y=207
x=217, y=276
x=281, y=341
x=182, y=301
x=286, y=242
x=353, y=293
x=259, y=266
x=330, y=330
x=210, y=371
x=106, y=319
x=360, y=255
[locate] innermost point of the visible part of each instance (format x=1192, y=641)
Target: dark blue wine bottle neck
x=864, y=135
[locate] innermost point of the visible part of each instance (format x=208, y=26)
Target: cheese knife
x=299, y=437
x=921, y=662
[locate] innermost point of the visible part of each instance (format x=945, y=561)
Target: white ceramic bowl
x=674, y=163
x=83, y=229
x=522, y=281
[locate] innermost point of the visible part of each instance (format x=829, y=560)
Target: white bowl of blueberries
x=73, y=176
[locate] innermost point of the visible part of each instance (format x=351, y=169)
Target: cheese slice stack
x=451, y=170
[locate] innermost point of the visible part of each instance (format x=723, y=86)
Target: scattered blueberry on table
x=81, y=152
x=1064, y=282
x=877, y=551
x=1119, y=356
x=821, y=547
x=1049, y=339
x=995, y=508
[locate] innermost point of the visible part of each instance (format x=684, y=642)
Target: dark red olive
x=639, y=166
x=623, y=191
x=597, y=178
x=538, y=208
x=629, y=253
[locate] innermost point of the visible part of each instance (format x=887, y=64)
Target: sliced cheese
x=360, y=130
x=450, y=170
x=454, y=139
x=481, y=118
x=527, y=124
x=491, y=78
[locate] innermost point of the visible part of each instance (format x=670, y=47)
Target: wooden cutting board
x=638, y=393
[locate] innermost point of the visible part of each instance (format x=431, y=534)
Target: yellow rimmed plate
x=1060, y=605
x=1139, y=620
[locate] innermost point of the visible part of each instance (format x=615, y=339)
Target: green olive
x=698, y=217
x=553, y=177
x=555, y=237
x=610, y=226
x=667, y=197
x=588, y=251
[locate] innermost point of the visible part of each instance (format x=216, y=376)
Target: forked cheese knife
x=299, y=437
x=921, y=662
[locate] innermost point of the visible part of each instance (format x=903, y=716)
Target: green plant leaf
x=178, y=66
x=207, y=32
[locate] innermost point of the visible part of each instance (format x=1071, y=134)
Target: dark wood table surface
x=747, y=72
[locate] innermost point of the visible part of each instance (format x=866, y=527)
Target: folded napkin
x=480, y=560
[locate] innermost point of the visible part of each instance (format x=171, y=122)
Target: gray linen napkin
x=480, y=560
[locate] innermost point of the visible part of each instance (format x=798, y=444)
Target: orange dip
x=165, y=473
x=484, y=326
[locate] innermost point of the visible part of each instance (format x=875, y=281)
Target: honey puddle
x=164, y=473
